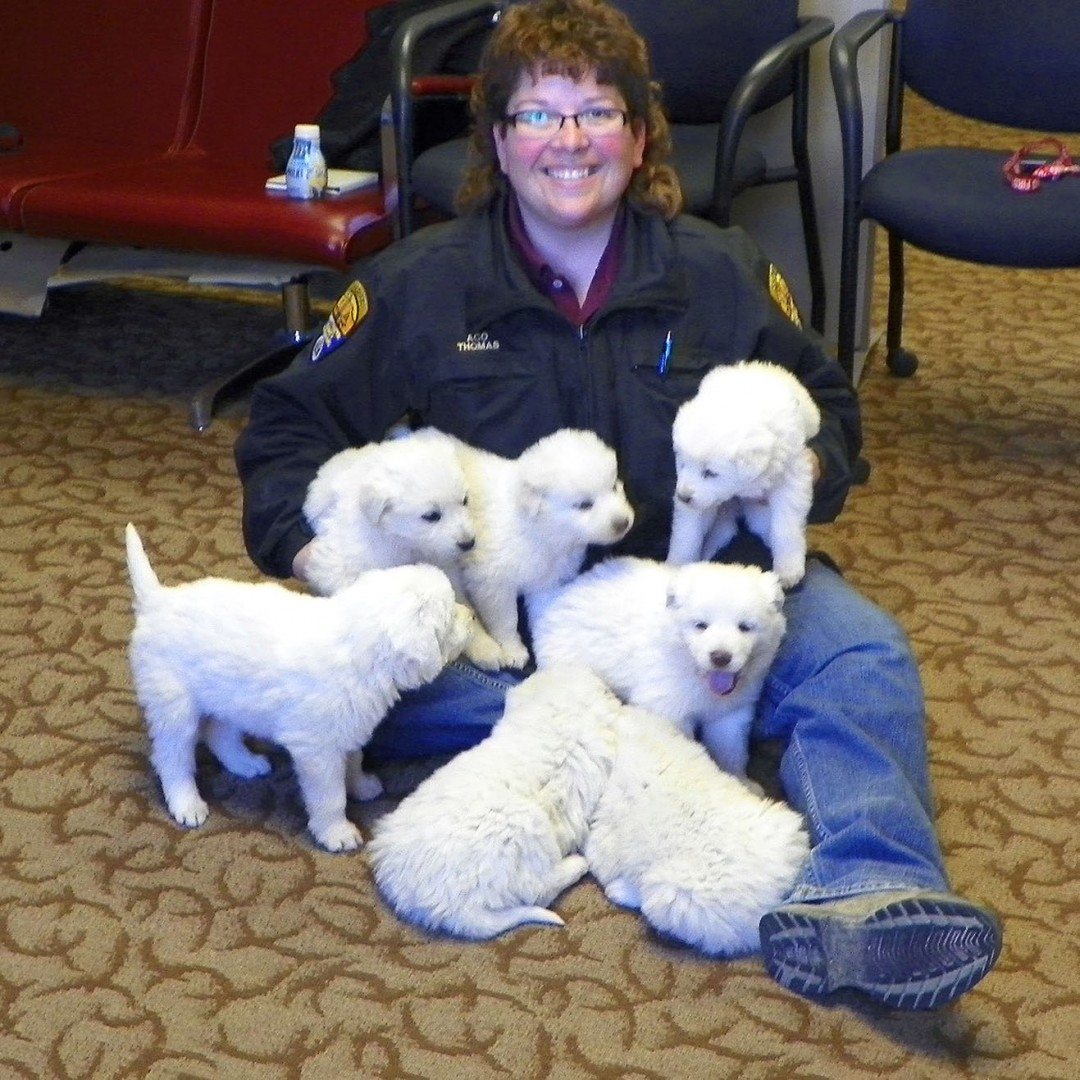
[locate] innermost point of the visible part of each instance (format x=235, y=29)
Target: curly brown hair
x=573, y=38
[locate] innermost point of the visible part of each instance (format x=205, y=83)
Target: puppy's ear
x=375, y=500
x=531, y=499
x=413, y=636
x=677, y=578
x=755, y=457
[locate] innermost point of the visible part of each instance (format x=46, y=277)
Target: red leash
x=1031, y=165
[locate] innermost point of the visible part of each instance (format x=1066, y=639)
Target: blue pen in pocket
x=665, y=355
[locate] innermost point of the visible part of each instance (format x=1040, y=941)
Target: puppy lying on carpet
x=690, y=643
x=699, y=854
x=740, y=451
x=313, y=674
x=489, y=840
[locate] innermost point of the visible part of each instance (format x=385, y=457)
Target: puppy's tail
x=485, y=923
x=144, y=582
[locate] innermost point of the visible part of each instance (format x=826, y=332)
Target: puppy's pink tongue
x=721, y=682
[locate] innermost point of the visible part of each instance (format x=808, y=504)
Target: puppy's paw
x=227, y=744
x=572, y=869
x=189, y=810
x=463, y=629
x=789, y=571
x=364, y=786
x=622, y=892
x=514, y=655
x=483, y=650
x=342, y=835
x=249, y=766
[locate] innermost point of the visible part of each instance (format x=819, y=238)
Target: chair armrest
x=812, y=28
x=843, y=64
x=402, y=112
x=424, y=86
x=793, y=49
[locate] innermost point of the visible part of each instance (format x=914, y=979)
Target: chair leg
x=814, y=264
x=296, y=301
x=808, y=211
x=208, y=399
x=849, y=295
x=849, y=290
x=206, y=402
x=899, y=360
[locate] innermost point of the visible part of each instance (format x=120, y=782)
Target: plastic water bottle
x=305, y=173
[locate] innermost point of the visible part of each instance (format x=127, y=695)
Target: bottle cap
x=307, y=131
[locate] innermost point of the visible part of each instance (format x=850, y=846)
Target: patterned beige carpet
x=133, y=949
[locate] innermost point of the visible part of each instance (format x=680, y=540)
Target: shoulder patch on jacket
x=348, y=312
x=779, y=291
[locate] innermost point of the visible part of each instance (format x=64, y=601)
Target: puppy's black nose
x=467, y=545
x=620, y=525
x=683, y=497
x=719, y=659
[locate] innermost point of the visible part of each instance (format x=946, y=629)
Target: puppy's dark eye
x=464, y=500
x=432, y=515
x=708, y=474
x=585, y=504
x=747, y=627
x=701, y=626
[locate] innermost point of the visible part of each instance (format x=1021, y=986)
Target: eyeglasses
x=543, y=124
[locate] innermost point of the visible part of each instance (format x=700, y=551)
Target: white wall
x=771, y=214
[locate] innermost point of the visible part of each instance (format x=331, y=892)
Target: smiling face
x=570, y=180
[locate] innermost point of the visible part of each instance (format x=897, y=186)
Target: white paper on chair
x=338, y=181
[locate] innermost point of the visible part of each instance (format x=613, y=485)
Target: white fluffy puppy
x=699, y=854
x=400, y=501
x=692, y=643
x=535, y=516
x=313, y=674
x=740, y=451
x=489, y=840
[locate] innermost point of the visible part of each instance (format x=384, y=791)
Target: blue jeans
x=845, y=699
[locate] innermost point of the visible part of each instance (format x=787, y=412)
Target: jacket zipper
x=583, y=360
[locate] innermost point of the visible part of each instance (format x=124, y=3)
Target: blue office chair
x=718, y=63
x=1007, y=62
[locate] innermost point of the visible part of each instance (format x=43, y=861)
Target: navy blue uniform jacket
x=455, y=336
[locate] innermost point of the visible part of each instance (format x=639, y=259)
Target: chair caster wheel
x=902, y=363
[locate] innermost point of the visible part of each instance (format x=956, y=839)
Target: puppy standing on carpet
x=740, y=451
x=699, y=854
x=691, y=643
x=487, y=842
x=313, y=674
x=535, y=516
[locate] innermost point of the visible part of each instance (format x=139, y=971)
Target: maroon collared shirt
x=555, y=287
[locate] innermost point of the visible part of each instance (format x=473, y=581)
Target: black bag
x=349, y=123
